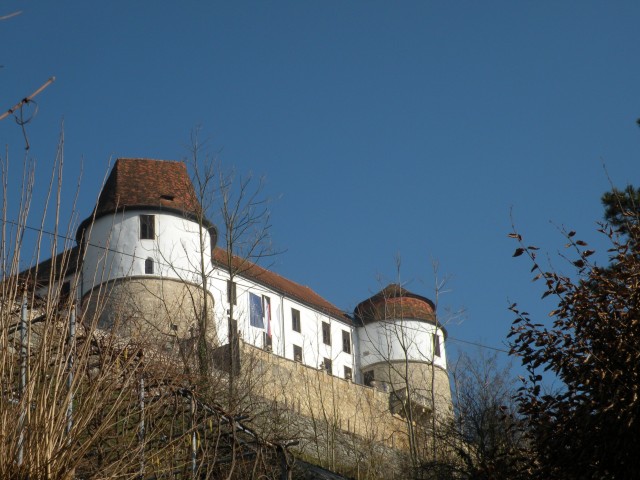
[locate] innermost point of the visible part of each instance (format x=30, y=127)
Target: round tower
x=142, y=246
x=402, y=350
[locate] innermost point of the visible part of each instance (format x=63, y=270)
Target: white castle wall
x=115, y=251
x=283, y=336
x=412, y=340
x=114, y=248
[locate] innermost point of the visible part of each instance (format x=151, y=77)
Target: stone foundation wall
x=149, y=309
x=336, y=402
x=418, y=377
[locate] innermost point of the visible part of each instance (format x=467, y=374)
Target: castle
x=148, y=249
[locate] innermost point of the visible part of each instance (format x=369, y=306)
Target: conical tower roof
x=396, y=303
x=146, y=184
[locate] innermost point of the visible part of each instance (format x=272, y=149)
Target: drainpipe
x=284, y=343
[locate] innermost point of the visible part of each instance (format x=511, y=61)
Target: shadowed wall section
x=147, y=309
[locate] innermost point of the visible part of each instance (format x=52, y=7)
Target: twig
x=26, y=100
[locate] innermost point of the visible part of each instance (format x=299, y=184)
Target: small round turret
x=402, y=348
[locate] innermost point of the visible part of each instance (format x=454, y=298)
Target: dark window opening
x=266, y=313
x=65, y=290
x=267, y=341
x=147, y=227
x=297, y=353
x=436, y=345
x=148, y=266
x=232, y=296
x=167, y=197
x=346, y=341
x=326, y=333
x=295, y=320
x=327, y=365
x=369, y=378
x=347, y=373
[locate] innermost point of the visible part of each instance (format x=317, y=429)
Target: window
x=327, y=365
x=147, y=227
x=267, y=341
x=369, y=378
x=347, y=373
x=231, y=292
x=326, y=333
x=436, y=345
x=148, y=266
x=266, y=312
x=295, y=320
x=346, y=341
x=297, y=353
x=65, y=290
x=256, y=311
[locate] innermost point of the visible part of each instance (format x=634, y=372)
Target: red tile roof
x=395, y=302
x=144, y=183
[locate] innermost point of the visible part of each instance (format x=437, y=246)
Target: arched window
x=148, y=266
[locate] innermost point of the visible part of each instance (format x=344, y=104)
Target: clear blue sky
x=410, y=128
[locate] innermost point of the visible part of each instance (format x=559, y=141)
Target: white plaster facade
x=399, y=339
x=114, y=250
x=283, y=337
